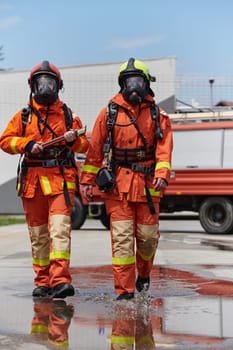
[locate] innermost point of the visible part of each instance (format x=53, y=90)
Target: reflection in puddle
x=219, y=244
x=181, y=311
x=51, y=321
x=184, y=311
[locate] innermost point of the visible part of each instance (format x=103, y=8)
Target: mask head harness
x=45, y=82
x=134, y=80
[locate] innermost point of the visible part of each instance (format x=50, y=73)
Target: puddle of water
x=181, y=311
x=219, y=244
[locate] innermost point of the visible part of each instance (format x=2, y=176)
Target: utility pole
x=211, y=82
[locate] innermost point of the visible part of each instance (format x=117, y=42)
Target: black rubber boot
x=63, y=290
x=41, y=292
x=125, y=296
x=142, y=284
x=62, y=310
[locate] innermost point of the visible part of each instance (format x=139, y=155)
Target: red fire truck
x=202, y=173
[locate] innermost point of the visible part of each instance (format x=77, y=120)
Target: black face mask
x=45, y=90
x=135, y=89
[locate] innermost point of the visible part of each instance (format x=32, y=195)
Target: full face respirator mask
x=134, y=89
x=45, y=89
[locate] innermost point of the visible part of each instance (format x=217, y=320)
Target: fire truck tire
x=216, y=215
x=79, y=213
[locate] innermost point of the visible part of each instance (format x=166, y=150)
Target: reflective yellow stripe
x=152, y=192
x=46, y=184
x=40, y=262
x=81, y=139
x=64, y=343
x=122, y=340
x=39, y=328
x=123, y=261
x=145, y=257
x=70, y=185
x=13, y=144
x=160, y=165
x=60, y=255
x=90, y=169
x=18, y=186
x=146, y=340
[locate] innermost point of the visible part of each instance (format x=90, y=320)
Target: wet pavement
x=189, y=305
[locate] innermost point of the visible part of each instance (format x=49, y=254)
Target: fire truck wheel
x=79, y=213
x=216, y=215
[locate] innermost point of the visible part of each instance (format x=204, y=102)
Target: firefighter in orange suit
x=133, y=138
x=51, y=321
x=130, y=331
x=47, y=177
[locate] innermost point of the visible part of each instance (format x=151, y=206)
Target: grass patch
x=11, y=220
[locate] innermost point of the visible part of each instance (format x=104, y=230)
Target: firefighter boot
x=142, y=284
x=62, y=310
x=63, y=290
x=41, y=291
x=125, y=296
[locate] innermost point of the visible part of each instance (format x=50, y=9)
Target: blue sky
x=199, y=33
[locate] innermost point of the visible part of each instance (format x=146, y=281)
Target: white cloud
x=10, y=21
x=130, y=43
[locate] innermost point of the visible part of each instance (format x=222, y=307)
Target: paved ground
x=190, y=304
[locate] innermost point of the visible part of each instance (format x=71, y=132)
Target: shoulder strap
x=68, y=116
x=155, y=115
x=25, y=113
x=112, y=111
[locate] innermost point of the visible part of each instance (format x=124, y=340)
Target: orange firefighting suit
x=130, y=331
x=43, y=180
x=130, y=216
x=51, y=321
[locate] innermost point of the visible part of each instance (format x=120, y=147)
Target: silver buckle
x=140, y=154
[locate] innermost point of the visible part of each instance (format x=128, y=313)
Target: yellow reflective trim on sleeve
x=13, y=144
x=40, y=262
x=81, y=140
x=124, y=261
x=90, y=169
x=59, y=255
x=160, y=165
x=46, y=185
x=39, y=328
x=152, y=192
x=122, y=340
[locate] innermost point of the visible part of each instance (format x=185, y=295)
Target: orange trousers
x=49, y=224
x=51, y=321
x=134, y=237
x=132, y=331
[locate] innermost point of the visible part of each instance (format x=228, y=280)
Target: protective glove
x=87, y=192
x=159, y=184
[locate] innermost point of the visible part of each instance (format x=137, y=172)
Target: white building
x=87, y=89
